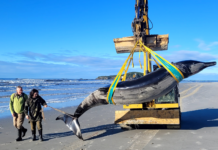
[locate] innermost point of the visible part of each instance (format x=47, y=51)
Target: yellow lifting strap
x=175, y=72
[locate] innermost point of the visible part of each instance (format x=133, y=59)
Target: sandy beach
x=56, y=135
x=199, y=127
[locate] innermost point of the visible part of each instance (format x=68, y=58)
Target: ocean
x=57, y=93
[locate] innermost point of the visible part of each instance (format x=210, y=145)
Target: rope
x=61, y=111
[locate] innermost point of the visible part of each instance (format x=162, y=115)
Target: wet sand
x=199, y=127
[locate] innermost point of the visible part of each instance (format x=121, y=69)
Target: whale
x=141, y=90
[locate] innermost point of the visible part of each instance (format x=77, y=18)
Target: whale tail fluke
x=72, y=123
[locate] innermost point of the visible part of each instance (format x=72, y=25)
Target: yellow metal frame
x=151, y=105
x=147, y=67
x=172, y=105
x=166, y=105
x=131, y=106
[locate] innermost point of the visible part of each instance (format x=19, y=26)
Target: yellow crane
x=164, y=110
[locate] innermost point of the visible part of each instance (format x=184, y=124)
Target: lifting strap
x=175, y=72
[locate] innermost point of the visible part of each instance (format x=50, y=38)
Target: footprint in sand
x=199, y=143
x=200, y=137
x=193, y=132
x=158, y=145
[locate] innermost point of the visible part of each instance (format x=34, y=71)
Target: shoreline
x=45, y=110
x=75, y=103
x=199, y=120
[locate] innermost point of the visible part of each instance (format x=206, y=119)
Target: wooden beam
x=126, y=44
x=148, y=117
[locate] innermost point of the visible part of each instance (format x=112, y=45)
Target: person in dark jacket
x=33, y=112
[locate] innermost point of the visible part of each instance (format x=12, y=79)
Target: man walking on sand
x=17, y=104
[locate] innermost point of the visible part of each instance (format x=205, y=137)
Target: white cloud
x=79, y=60
x=213, y=44
x=204, y=46
x=190, y=55
x=31, y=69
x=37, y=65
x=111, y=62
x=204, y=76
x=175, y=46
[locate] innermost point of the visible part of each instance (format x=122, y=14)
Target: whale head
x=191, y=67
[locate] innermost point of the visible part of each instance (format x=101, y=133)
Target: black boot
x=19, y=135
x=40, y=135
x=33, y=135
x=24, y=131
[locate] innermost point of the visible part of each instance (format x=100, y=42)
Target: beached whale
x=144, y=89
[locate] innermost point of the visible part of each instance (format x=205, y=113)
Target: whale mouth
x=208, y=64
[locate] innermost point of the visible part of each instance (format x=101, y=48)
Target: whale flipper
x=72, y=123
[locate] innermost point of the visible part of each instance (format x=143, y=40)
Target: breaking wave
x=54, y=91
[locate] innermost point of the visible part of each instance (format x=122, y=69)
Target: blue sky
x=74, y=39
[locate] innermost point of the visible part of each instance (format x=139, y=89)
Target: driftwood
x=154, y=42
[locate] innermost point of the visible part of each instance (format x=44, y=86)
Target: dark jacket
x=33, y=108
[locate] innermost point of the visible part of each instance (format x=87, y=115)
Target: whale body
x=144, y=89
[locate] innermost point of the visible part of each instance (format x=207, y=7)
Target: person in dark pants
x=33, y=112
x=17, y=103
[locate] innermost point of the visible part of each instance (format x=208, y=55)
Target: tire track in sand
x=192, y=93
